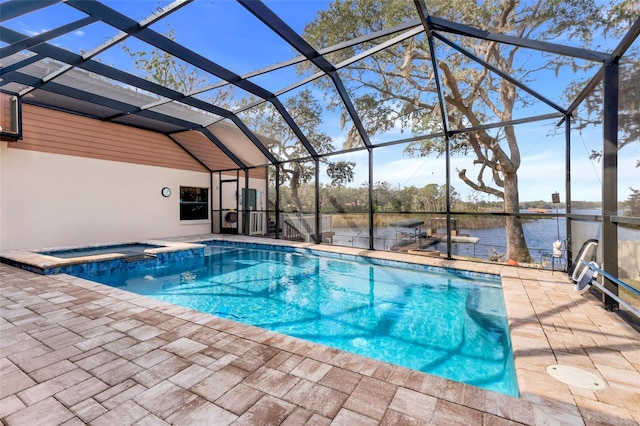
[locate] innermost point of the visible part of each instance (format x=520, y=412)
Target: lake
x=540, y=235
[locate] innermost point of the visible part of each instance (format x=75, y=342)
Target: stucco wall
x=3, y=195
x=59, y=200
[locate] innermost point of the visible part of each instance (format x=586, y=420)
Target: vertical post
x=567, y=187
x=426, y=22
x=266, y=198
x=277, y=206
x=371, y=225
x=245, y=208
x=238, y=201
x=555, y=199
x=448, y=195
x=317, y=231
x=609, y=240
x=211, y=198
x=18, y=112
x=220, y=200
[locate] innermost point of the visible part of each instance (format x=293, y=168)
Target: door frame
x=227, y=212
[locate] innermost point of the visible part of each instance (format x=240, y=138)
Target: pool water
x=438, y=323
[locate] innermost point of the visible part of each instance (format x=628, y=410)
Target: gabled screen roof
x=266, y=82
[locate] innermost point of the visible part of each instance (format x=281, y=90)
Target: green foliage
x=541, y=204
x=628, y=104
x=621, y=16
x=632, y=204
x=430, y=198
x=340, y=172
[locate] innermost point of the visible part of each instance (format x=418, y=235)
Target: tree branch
x=462, y=174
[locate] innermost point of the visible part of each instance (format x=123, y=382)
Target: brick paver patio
x=76, y=352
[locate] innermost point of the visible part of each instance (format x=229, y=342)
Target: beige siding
x=205, y=150
x=56, y=132
x=211, y=155
x=259, y=173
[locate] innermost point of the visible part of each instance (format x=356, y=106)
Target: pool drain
x=359, y=342
x=576, y=377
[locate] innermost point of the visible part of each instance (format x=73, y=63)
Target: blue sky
x=230, y=29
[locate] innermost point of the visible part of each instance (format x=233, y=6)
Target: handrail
x=625, y=220
x=290, y=224
x=608, y=292
x=304, y=224
x=611, y=277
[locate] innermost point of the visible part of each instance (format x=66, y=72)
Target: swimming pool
x=439, y=323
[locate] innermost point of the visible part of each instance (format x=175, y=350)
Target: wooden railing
x=298, y=226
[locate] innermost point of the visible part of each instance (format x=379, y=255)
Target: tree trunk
x=295, y=184
x=516, y=244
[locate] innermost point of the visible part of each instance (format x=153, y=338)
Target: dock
x=415, y=244
x=422, y=243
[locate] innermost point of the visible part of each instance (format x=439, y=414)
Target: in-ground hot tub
x=131, y=249
x=104, y=258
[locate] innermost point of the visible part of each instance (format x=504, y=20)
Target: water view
x=540, y=235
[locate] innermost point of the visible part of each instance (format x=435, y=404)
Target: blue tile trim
x=104, y=266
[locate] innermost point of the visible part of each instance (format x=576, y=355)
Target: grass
x=628, y=296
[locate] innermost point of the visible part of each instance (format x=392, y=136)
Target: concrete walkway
x=76, y=352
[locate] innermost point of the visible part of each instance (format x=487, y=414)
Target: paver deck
x=76, y=352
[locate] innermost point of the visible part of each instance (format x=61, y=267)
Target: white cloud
x=411, y=171
x=32, y=33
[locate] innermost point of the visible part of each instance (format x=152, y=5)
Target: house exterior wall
x=4, y=225
x=60, y=200
x=74, y=181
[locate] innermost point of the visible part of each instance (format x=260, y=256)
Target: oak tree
x=395, y=88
